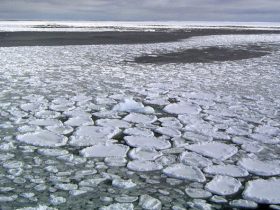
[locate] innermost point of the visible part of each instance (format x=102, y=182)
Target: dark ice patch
x=206, y=55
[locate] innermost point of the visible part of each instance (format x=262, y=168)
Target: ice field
x=85, y=127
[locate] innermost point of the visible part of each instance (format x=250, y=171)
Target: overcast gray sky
x=141, y=10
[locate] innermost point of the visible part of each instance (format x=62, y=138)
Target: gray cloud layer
x=225, y=10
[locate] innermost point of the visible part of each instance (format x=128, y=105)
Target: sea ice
x=118, y=206
x=219, y=151
x=79, y=121
x=129, y=105
x=43, y=138
x=181, y=171
x=136, y=131
x=113, y=123
x=91, y=135
x=148, y=142
x=182, y=108
x=227, y=170
x=138, y=165
x=197, y=193
x=243, y=204
x=263, y=191
x=149, y=203
x=140, y=118
x=46, y=122
x=172, y=132
x=123, y=184
x=261, y=168
x=223, y=185
x=109, y=150
x=194, y=159
x=144, y=154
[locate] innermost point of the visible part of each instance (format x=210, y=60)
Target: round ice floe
x=140, y=118
x=129, y=105
x=91, y=135
x=148, y=202
x=148, y=142
x=113, y=123
x=43, y=138
x=144, y=154
x=118, y=206
x=197, y=193
x=53, y=152
x=47, y=114
x=110, y=150
x=79, y=121
x=46, y=122
x=182, y=108
x=215, y=150
x=263, y=191
x=228, y=170
x=265, y=138
x=172, y=132
x=123, y=184
x=138, y=132
x=194, y=159
x=223, y=185
x=261, y=168
x=170, y=122
x=139, y=165
x=181, y=171
x=243, y=204
x=81, y=98
x=61, y=129
x=196, y=137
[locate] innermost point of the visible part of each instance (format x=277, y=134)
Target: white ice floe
x=129, y=105
x=61, y=129
x=123, y=184
x=53, y=152
x=196, y=137
x=263, y=191
x=81, y=98
x=66, y=186
x=147, y=142
x=223, y=185
x=46, y=122
x=57, y=200
x=172, y=132
x=113, y=123
x=115, y=161
x=197, y=193
x=140, y=165
x=243, y=204
x=136, y=131
x=182, y=108
x=265, y=138
x=144, y=154
x=170, y=122
x=252, y=147
x=126, y=199
x=181, y=171
x=43, y=138
x=118, y=206
x=219, y=151
x=227, y=170
x=194, y=159
x=147, y=202
x=140, y=118
x=110, y=150
x=91, y=135
x=79, y=121
x=44, y=114
x=261, y=168
x=91, y=182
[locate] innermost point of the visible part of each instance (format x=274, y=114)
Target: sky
x=142, y=10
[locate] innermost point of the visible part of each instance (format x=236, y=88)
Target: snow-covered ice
x=263, y=191
x=223, y=185
x=216, y=150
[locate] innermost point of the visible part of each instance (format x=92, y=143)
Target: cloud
x=228, y=10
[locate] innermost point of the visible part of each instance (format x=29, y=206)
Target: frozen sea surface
x=85, y=127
